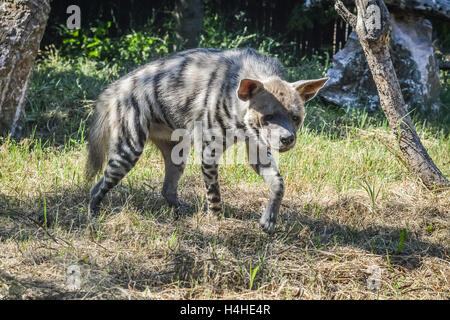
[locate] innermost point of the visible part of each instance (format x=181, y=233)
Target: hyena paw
x=176, y=203
x=267, y=223
x=93, y=210
x=172, y=200
x=204, y=207
x=93, y=217
x=214, y=208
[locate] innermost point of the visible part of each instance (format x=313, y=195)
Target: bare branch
x=348, y=17
x=373, y=29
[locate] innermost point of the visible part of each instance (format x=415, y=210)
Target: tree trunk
x=373, y=30
x=22, y=25
x=189, y=22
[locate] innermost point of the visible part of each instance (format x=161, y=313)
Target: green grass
x=349, y=204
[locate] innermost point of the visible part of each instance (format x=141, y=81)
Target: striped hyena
x=235, y=90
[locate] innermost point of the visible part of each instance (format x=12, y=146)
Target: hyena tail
x=98, y=140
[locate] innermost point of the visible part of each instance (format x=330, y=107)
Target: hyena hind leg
x=210, y=170
x=211, y=178
x=173, y=172
x=122, y=158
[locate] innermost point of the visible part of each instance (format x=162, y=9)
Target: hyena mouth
x=283, y=148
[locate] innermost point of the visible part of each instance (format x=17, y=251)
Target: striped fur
x=237, y=89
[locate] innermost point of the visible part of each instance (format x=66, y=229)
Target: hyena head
x=276, y=108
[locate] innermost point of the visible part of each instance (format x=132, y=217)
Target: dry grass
x=328, y=234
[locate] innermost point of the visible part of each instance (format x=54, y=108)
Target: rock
x=439, y=9
x=430, y=8
x=351, y=82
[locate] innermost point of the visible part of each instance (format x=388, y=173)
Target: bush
x=134, y=48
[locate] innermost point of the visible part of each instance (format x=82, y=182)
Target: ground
x=354, y=223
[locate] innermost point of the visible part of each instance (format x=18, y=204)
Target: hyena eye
x=268, y=117
x=295, y=118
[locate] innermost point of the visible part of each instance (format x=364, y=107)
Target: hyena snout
x=287, y=140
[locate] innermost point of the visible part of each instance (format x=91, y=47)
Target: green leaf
x=401, y=243
x=253, y=275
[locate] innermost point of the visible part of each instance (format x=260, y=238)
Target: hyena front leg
x=173, y=172
x=268, y=170
x=123, y=156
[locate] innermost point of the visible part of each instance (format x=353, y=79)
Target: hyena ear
x=248, y=88
x=308, y=89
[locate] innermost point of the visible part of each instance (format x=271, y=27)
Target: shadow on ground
x=23, y=220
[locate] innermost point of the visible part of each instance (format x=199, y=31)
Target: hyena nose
x=287, y=140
